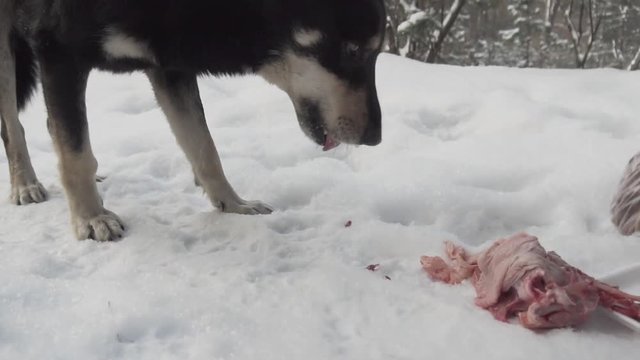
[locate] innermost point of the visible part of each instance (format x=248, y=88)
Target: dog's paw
x=244, y=207
x=104, y=227
x=28, y=194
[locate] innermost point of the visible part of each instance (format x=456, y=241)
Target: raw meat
x=516, y=276
x=625, y=207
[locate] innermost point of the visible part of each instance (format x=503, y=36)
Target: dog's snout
x=372, y=136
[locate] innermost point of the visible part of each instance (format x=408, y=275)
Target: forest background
x=518, y=33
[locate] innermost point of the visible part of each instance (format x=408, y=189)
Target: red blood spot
x=374, y=267
x=348, y=224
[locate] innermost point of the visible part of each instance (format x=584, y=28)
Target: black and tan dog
x=322, y=53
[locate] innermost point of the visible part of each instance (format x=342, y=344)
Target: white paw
x=104, y=227
x=244, y=207
x=28, y=194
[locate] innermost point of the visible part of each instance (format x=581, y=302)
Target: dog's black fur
x=26, y=68
x=202, y=37
x=174, y=41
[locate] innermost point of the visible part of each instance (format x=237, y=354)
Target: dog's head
x=327, y=67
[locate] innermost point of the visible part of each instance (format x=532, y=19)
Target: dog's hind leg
x=178, y=96
x=64, y=83
x=25, y=187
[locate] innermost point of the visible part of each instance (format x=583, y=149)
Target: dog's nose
x=372, y=136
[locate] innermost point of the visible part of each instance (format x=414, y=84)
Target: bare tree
x=551, y=10
x=442, y=33
x=635, y=63
x=394, y=11
x=586, y=17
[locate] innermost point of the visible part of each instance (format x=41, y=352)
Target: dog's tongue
x=330, y=143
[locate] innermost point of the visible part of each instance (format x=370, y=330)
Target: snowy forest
x=522, y=33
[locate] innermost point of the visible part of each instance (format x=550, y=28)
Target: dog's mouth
x=313, y=125
x=329, y=143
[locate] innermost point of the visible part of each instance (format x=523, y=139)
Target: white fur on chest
x=118, y=45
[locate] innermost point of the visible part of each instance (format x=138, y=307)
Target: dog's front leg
x=25, y=187
x=64, y=83
x=178, y=96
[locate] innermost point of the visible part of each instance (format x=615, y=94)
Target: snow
x=469, y=155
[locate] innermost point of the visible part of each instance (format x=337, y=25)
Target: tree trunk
x=392, y=26
x=586, y=14
x=551, y=10
x=635, y=63
x=451, y=18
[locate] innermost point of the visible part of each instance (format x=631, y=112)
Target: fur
x=26, y=69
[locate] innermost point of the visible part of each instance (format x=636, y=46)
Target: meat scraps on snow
x=516, y=276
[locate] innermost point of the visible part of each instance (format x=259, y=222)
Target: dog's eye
x=352, y=50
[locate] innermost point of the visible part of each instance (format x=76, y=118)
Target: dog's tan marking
x=307, y=37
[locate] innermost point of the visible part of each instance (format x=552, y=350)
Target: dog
x=322, y=53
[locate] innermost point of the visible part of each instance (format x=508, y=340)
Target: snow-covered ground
x=469, y=154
